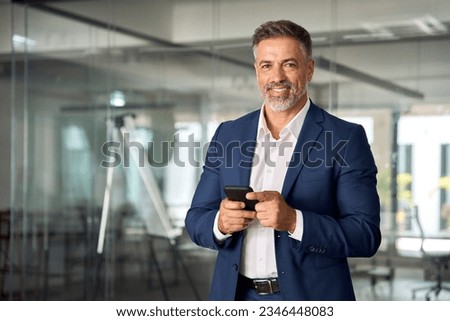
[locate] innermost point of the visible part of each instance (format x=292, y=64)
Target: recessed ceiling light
x=117, y=99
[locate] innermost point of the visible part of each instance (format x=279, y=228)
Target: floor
x=401, y=288
x=192, y=282
x=184, y=275
x=200, y=271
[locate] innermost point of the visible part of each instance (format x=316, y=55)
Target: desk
x=434, y=251
x=413, y=245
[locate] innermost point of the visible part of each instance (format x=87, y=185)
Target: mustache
x=284, y=83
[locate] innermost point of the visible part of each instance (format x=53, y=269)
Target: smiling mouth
x=280, y=89
x=278, y=92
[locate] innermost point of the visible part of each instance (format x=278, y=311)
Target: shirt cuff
x=218, y=234
x=298, y=232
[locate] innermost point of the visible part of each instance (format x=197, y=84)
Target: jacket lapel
x=308, y=138
x=244, y=158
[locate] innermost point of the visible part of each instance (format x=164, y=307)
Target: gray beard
x=280, y=104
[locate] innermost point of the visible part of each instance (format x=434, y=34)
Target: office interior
x=108, y=105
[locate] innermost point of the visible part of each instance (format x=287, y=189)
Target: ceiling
x=395, y=52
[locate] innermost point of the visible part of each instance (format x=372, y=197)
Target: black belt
x=261, y=286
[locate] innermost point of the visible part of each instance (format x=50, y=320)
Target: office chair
x=438, y=259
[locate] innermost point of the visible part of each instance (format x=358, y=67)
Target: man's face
x=283, y=72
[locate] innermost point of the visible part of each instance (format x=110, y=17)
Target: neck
x=277, y=120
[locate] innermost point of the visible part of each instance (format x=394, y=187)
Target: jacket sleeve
x=354, y=230
x=200, y=217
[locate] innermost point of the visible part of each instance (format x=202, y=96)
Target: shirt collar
x=294, y=126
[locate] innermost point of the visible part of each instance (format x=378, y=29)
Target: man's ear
x=310, y=68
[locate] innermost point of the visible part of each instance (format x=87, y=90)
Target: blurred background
x=157, y=77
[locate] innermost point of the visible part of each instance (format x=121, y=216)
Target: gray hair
x=283, y=28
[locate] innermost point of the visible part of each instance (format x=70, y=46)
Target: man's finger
x=233, y=205
x=242, y=214
x=258, y=196
x=261, y=196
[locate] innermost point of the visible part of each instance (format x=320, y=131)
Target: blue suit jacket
x=331, y=179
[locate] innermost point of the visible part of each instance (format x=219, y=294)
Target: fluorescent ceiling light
x=430, y=25
x=21, y=41
x=319, y=39
x=371, y=36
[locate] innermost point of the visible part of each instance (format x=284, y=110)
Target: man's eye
x=265, y=66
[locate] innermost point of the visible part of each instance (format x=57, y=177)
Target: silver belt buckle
x=265, y=286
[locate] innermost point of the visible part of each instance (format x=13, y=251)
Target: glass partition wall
x=111, y=105
x=94, y=143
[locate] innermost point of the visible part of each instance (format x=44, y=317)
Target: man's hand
x=273, y=211
x=233, y=217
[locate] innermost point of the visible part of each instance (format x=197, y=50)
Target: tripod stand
x=120, y=126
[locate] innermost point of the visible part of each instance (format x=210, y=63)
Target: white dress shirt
x=270, y=164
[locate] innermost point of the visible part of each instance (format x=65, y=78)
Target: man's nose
x=278, y=74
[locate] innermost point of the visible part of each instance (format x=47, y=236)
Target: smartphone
x=237, y=193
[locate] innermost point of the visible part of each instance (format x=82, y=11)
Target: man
x=314, y=178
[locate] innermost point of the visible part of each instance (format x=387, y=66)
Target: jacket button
x=312, y=248
x=235, y=267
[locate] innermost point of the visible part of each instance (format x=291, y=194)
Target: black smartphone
x=237, y=193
